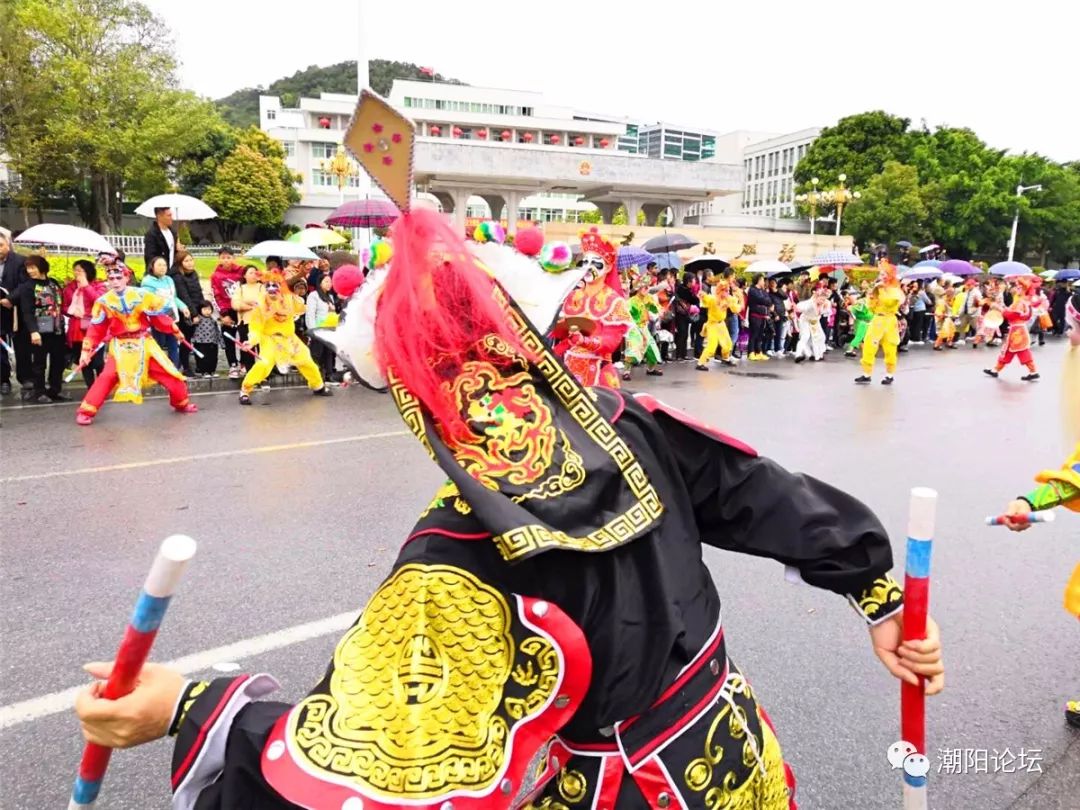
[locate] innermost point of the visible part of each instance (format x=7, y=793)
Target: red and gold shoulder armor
x=445, y=693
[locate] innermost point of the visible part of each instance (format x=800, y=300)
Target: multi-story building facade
x=769, y=173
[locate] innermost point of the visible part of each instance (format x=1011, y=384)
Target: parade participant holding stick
x=885, y=300
x=549, y=632
x=812, y=312
x=1060, y=487
x=123, y=316
x=272, y=328
x=1018, y=343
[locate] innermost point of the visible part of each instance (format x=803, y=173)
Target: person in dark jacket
x=189, y=290
x=12, y=274
x=161, y=238
x=760, y=308
x=41, y=308
x=685, y=298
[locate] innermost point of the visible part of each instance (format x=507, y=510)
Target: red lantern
x=436, y=130
x=604, y=143
x=527, y=137
x=456, y=131
x=506, y=134
x=324, y=123
x=579, y=141
x=555, y=139
x=482, y=134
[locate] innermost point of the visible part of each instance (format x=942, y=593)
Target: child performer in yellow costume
x=1061, y=487
x=717, y=304
x=885, y=301
x=273, y=330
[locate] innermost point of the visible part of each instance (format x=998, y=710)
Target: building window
x=323, y=150
x=321, y=179
x=290, y=148
x=271, y=115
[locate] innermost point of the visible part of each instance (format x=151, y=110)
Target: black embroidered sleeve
x=879, y=600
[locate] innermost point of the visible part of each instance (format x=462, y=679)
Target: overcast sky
x=1012, y=75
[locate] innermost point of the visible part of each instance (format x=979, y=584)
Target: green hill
x=241, y=109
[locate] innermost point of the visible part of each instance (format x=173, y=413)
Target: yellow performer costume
x=717, y=304
x=885, y=301
x=273, y=330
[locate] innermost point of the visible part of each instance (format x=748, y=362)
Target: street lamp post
x=842, y=196
x=1016, y=218
x=340, y=167
x=812, y=197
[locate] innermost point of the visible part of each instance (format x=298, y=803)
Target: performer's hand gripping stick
x=71, y=374
x=172, y=558
x=1029, y=517
x=242, y=345
x=916, y=601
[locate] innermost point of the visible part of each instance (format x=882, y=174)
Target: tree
x=257, y=140
x=621, y=216
x=592, y=216
x=248, y=190
x=195, y=169
x=241, y=109
x=891, y=204
x=89, y=103
x=858, y=146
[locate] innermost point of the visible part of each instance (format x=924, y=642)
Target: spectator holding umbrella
x=161, y=238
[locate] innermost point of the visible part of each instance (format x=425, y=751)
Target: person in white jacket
x=811, y=335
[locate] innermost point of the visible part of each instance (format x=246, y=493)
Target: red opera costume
x=1018, y=343
x=123, y=317
x=600, y=299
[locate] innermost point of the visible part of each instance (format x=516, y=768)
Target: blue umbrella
x=836, y=257
x=1009, y=269
x=667, y=261
x=927, y=263
x=631, y=255
x=1067, y=275
x=904, y=243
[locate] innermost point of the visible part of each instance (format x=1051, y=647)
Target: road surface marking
x=249, y=451
x=47, y=705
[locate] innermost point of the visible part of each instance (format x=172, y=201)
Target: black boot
x=322, y=392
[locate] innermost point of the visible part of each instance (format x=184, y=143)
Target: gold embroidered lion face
x=512, y=432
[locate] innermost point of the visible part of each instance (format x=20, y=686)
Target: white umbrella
x=1048, y=274
x=183, y=207
x=767, y=267
x=281, y=248
x=317, y=237
x=65, y=236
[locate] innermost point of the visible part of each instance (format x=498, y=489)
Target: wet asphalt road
x=299, y=505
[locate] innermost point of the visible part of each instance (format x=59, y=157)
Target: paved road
x=299, y=505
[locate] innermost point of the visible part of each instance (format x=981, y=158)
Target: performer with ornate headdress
x=273, y=330
x=1061, y=487
x=1018, y=342
x=885, y=300
x=595, y=318
x=640, y=344
x=123, y=316
x=549, y=634
x=812, y=312
x=717, y=305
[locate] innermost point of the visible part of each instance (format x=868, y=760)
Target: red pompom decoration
x=527, y=137
x=604, y=143
x=578, y=141
x=346, y=279
x=506, y=134
x=555, y=139
x=529, y=241
x=435, y=130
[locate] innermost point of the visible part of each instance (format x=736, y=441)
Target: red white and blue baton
x=921, y=518
x=1029, y=517
x=7, y=348
x=172, y=558
x=71, y=374
x=247, y=349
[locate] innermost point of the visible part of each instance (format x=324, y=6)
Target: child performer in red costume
x=124, y=316
x=1018, y=343
x=602, y=300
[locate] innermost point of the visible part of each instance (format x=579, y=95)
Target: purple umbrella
x=631, y=255
x=959, y=267
x=920, y=274
x=1010, y=269
x=364, y=214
